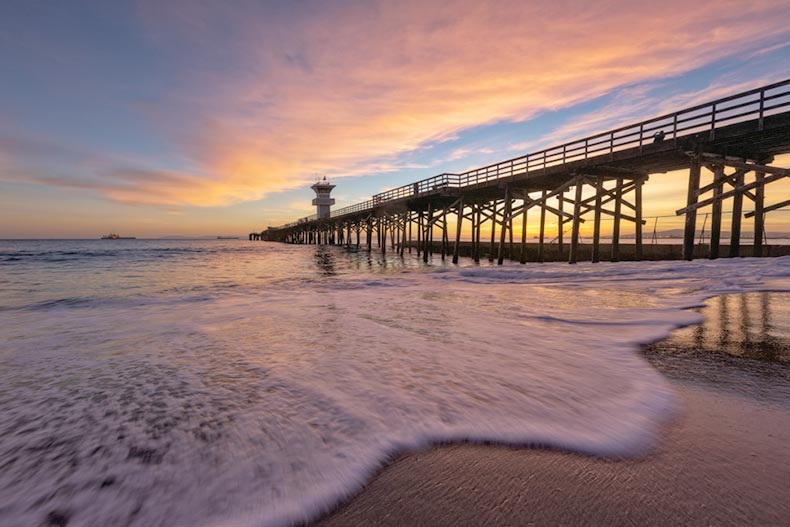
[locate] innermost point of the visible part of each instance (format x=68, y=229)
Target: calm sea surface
x=226, y=382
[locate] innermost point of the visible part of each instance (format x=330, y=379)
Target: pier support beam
x=542, y=235
x=638, y=215
x=618, y=206
x=369, y=225
x=383, y=235
x=510, y=228
x=523, y=253
x=596, y=248
x=505, y=221
x=759, y=213
x=419, y=233
x=691, y=214
x=409, y=221
x=715, y=224
x=477, y=233
x=737, y=210
x=445, y=244
x=427, y=238
x=560, y=224
x=429, y=234
x=493, y=231
x=577, y=211
x=404, y=221
x=457, y=245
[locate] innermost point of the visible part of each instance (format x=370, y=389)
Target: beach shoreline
x=721, y=461
x=207, y=383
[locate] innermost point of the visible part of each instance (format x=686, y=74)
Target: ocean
x=234, y=383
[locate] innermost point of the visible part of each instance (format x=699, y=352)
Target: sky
x=192, y=118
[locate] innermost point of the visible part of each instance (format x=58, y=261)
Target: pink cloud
x=341, y=90
x=271, y=95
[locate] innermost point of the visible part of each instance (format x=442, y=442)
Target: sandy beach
x=722, y=461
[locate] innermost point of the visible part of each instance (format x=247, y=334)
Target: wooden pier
x=735, y=137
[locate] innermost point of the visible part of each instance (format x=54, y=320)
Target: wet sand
x=723, y=461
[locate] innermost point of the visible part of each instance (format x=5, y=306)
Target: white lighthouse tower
x=322, y=200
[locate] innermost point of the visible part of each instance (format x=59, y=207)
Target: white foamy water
x=246, y=405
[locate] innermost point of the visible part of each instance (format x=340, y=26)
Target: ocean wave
x=268, y=406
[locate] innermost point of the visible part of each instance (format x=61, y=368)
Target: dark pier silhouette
x=736, y=138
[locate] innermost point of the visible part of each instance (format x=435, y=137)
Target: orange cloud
x=271, y=95
x=343, y=91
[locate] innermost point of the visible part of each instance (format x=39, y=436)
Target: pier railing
x=751, y=105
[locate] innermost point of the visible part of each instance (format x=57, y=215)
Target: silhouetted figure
x=658, y=137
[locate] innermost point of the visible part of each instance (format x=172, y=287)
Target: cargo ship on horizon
x=115, y=236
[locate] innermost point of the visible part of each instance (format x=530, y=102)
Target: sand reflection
x=749, y=325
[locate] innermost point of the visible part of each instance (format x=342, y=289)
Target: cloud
x=270, y=94
x=633, y=104
x=346, y=89
x=35, y=160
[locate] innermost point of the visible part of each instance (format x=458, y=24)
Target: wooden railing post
x=762, y=110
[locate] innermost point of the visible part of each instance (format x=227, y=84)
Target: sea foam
x=269, y=408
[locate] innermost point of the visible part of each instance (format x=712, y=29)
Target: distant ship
x=114, y=236
x=227, y=237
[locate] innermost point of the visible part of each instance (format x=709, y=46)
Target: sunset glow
x=278, y=263
x=192, y=119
